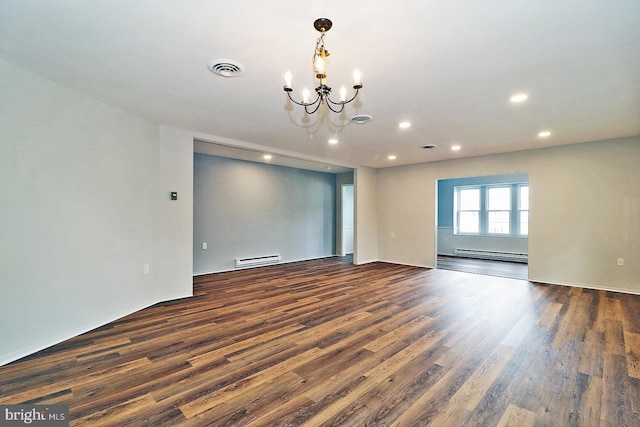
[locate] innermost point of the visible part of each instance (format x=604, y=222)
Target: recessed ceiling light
x=455, y=147
x=404, y=125
x=333, y=141
x=267, y=157
x=391, y=157
x=520, y=97
x=544, y=134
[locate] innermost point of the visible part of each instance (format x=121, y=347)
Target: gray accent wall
x=244, y=209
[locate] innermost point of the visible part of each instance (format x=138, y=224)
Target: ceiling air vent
x=226, y=67
x=361, y=118
x=428, y=147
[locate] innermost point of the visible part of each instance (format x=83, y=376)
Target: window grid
x=469, y=213
x=499, y=210
x=492, y=210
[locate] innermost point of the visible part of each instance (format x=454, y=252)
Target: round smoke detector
x=225, y=67
x=361, y=118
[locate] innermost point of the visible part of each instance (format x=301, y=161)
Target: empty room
x=243, y=214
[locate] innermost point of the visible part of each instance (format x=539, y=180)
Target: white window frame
x=483, y=212
x=457, y=202
x=490, y=211
x=521, y=210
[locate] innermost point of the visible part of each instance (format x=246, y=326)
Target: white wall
x=79, y=216
x=585, y=211
x=407, y=215
x=366, y=212
x=175, y=217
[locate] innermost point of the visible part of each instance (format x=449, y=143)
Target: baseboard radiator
x=492, y=255
x=256, y=261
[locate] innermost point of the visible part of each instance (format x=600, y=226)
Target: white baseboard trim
x=204, y=273
x=583, y=286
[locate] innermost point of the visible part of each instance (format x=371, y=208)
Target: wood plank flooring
x=326, y=343
x=513, y=270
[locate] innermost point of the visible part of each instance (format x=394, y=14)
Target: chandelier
x=320, y=71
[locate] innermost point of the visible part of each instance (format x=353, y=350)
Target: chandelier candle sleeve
x=319, y=65
x=287, y=80
x=356, y=78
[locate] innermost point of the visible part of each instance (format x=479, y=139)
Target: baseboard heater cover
x=493, y=255
x=256, y=261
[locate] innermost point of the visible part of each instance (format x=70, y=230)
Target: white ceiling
x=449, y=67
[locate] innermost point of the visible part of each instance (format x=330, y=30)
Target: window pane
x=498, y=222
x=470, y=199
x=469, y=222
x=499, y=199
x=524, y=198
x=524, y=222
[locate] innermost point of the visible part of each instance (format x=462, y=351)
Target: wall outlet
x=620, y=261
x=393, y=235
x=146, y=269
x=204, y=245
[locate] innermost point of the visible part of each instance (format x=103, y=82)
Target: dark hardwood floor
x=323, y=343
x=512, y=270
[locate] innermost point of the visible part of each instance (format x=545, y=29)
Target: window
x=501, y=209
x=523, y=209
x=469, y=212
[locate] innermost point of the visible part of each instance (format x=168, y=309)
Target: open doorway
x=482, y=225
x=347, y=219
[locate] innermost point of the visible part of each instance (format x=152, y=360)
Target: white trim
x=583, y=286
x=265, y=265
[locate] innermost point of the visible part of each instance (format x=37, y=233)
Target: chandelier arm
x=343, y=102
x=306, y=107
x=302, y=104
x=334, y=103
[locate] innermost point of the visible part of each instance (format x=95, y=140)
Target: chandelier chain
x=319, y=48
